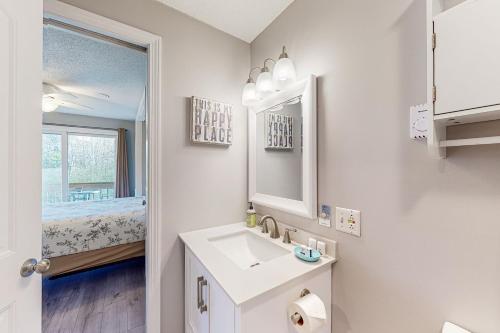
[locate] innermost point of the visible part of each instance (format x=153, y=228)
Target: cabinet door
x=221, y=310
x=197, y=296
x=466, y=58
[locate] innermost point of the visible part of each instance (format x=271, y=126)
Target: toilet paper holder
x=304, y=292
x=297, y=318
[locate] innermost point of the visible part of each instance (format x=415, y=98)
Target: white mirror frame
x=307, y=206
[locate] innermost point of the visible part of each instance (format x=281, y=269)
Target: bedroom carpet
x=110, y=299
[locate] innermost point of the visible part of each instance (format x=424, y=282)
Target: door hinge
x=434, y=41
x=434, y=94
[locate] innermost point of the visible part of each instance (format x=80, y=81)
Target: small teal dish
x=315, y=254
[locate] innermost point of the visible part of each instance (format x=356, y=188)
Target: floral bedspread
x=73, y=227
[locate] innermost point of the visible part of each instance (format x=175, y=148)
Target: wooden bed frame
x=79, y=261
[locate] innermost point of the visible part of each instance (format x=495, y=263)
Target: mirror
x=282, y=150
x=279, y=150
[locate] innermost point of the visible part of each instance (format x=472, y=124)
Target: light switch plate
x=348, y=221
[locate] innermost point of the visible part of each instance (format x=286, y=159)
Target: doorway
x=122, y=272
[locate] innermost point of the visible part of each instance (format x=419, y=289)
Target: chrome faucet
x=263, y=222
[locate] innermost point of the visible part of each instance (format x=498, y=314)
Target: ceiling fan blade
x=88, y=93
x=73, y=105
x=50, y=89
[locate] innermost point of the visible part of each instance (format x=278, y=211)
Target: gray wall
x=430, y=246
x=202, y=185
x=77, y=120
x=452, y=3
x=279, y=171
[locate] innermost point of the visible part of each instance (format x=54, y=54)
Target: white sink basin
x=246, y=249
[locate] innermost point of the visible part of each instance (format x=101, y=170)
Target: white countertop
x=243, y=285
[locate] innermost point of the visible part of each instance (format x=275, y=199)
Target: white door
x=20, y=165
x=467, y=56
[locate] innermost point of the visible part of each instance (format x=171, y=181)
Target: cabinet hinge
x=434, y=94
x=434, y=41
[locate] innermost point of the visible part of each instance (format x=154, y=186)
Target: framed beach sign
x=211, y=122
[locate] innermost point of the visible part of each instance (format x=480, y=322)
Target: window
x=78, y=164
x=51, y=168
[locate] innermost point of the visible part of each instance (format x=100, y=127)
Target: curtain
x=121, y=182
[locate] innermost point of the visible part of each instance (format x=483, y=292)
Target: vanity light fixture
x=265, y=84
x=284, y=71
x=250, y=95
x=268, y=82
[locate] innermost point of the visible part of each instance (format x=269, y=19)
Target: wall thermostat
x=419, y=121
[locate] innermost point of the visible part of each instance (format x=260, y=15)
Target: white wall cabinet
x=463, y=68
x=265, y=313
x=467, y=57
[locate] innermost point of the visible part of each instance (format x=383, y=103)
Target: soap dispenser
x=251, y=216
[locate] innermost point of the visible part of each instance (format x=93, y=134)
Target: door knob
x=31, y=265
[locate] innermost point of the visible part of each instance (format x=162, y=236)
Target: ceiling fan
x=54, y=96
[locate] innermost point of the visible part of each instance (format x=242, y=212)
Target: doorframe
x=93, y=22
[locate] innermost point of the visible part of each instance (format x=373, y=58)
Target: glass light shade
x=49, y=104
x=265, y=84
x=249, y=94
x=284, y=73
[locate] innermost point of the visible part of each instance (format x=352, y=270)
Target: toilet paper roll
x=307, y=314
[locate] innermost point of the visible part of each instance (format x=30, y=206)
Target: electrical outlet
x=321, y=247
x=348, y=221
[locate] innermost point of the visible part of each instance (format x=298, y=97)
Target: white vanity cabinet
x=263, y=313
x=207, y=307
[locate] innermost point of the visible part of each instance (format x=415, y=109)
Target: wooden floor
x=110, y=299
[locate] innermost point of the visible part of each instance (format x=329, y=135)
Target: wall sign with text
x=279, y=131
x=211, y=122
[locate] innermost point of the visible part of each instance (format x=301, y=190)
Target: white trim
x=78, y=130
x=138, y=146
x=141, y=110
x=139, y=119
x=307, y=206
x=75, y=16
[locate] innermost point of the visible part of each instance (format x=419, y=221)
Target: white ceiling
x=92, y=69
x=241, y=18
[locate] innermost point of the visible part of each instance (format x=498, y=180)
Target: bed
x=85, y=234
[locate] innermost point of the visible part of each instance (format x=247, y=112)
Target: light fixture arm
x=265, y=68
x=283, y=53
x=250, y=79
